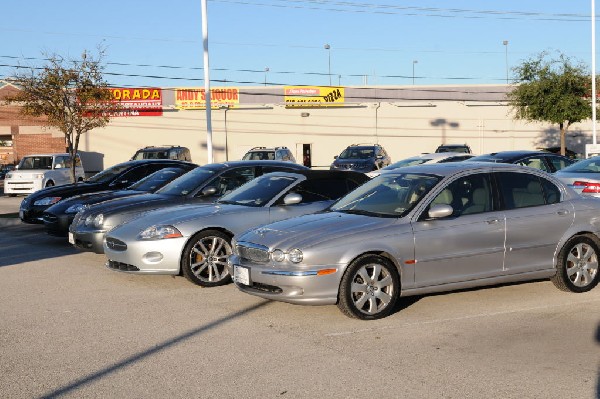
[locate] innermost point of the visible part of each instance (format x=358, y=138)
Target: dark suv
x=361, y=158
x=163, y=152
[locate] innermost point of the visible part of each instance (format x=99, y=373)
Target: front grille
x=124, y=267
x=115, y=245
x=253, y=253
x=50, y=218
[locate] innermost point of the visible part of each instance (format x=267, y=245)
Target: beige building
x=406, y=120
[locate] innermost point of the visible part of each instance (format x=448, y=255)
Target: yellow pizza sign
x=313, y=96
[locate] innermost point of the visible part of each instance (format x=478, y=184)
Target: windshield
x=357, y=153
x=407, y=162
x=109, y=174
x=30, y=163
x=387, y=195
x=157, y=179
x=189, y=182
x=591, y=165
x=258, y=192
x=259, y=155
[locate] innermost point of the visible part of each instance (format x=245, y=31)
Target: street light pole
x=328, y=48
x=266, y=71
x=413, y=76
x=505, y=43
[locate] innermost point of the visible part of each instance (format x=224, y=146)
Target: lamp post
x=505, y=43
x=413, y=65
x=328, y=48
x=266, y=71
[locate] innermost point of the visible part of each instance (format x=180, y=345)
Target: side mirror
x=292, y=198
x=208, y=191
x=335, y=157
x=440, y=211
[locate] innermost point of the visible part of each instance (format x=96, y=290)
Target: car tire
x=204, y=258
x=369, y=288
x=577, y=264
x=49, y=183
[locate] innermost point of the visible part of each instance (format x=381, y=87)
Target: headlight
x=8, y=176
x=278, y=255
x=295, y=255
x=159, y=232
x=38, y=175
x=76, y=208
x=98, y=220
x=47, y=201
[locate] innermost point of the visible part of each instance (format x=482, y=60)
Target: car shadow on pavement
x=30, y=243
x=160, y=347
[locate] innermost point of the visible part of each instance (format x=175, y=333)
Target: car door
x=536, y=219
x=467, y=245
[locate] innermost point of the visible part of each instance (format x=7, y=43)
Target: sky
x=282, y=42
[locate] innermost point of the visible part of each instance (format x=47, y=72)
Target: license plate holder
x=241, y=275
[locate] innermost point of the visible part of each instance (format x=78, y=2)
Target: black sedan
x=114, y=178
x=59, y=216
x=543, y=160
x=204, y=184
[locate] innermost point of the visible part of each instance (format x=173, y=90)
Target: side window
x=467, y=195
x=521, y=190
x=558, y=163
x=232, y=179
x=315, y=190
x=551, y=192
x=135, y=174
x=269, y=169
x=534, y=162
x=59, y=162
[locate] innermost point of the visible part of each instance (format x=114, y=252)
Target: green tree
x=552, y=90
x=71, y=93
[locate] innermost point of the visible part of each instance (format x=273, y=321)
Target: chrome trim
x=287, y=273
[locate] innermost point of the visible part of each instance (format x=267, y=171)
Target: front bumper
x=149, y=257
x=27, y=186
x=92, y=240
x=32, y=214
x=298, y=285
x=57, y=225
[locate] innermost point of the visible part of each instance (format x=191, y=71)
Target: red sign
x=138, y=101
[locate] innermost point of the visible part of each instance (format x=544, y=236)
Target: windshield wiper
x=359, y=212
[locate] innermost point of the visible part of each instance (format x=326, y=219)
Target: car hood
x=319, y=228
x=124, y=204
x=67, y=190
x=90, y=198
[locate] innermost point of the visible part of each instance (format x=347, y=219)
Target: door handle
x=562, y=212
x=492, y=221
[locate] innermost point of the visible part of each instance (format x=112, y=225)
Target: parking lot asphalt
x=69, y=327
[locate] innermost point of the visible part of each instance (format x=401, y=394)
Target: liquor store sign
x=195, y=98
x=313, y=96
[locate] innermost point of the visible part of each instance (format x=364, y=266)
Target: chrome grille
x=115, y=245
x=50, y=218
x=253, y=252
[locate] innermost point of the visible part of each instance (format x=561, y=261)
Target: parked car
x=58, y=217
x=424, y=159
x=116, y=177
x=361, y=158
x=196, y=240
x=425, y=229
x=202, y=185
x=272, y=154
x=454, y=148
x=163, y=152
x=582, y=176
x=543, y=160
x=35, y=172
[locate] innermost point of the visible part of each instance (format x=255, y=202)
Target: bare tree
x=71, y=93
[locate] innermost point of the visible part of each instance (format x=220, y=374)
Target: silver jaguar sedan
x=425, y=229
x=196, y=239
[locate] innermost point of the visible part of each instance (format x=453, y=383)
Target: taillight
x=588, y=187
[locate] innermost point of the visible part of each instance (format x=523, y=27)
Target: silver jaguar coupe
x=196, y=239
x=425, y=229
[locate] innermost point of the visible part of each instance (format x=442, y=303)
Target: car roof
x=436, y=155
x=447, y=169
x=222, y=165
x=514, y=154
x=335, y=174
x=151, y=161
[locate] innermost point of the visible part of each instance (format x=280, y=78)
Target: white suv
x=35, y=172
x=269, y=154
